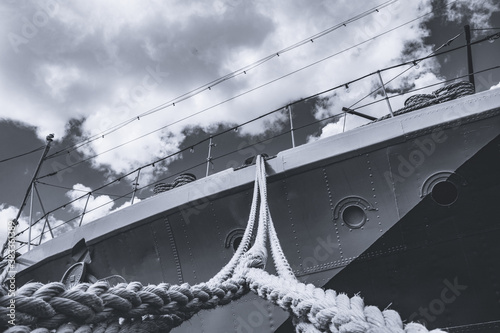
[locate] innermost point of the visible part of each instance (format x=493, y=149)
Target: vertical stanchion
x=31, y=216
x=209, y=158
x=291, y=125
x=385, y=93
x=46, y=217
x=85, y=208
x=135, y=184
x=470, y=66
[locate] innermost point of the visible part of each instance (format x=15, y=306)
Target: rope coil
x=180, y=180
x=132, y=307
x=441, y=95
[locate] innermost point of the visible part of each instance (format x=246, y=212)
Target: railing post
x=470, y=66
x=31, y=215
x=85, y=208
x=291, y=125
x=385, y=93
x=135, y=184
x=209, y=158
x=46, y=216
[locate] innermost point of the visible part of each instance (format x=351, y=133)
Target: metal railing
x=287, y=111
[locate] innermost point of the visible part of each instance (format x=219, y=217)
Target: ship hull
x=402, y=211
x=439, y=264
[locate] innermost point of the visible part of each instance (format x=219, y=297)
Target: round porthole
x=352, y=211
x=444, y=193
x=236, y=242
x=234, y=238
x=354, y=216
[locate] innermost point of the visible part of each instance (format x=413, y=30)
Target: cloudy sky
x=122, y=84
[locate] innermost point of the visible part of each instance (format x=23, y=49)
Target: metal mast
x=49, y=139
x=470, y=66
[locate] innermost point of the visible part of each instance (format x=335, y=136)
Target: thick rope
x=180, y=180
x=52, y=305
x=441, y=95
x=132, y=307
x=314, y=309
x=317, y=310
x=228, y=270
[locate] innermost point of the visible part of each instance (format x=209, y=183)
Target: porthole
x=354, y=216
x=444, y=193
x=234, y=238
x=236, y=242
x=352, y=211
x=443, y=187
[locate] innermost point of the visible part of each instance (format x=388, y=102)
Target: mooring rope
x=132, y=307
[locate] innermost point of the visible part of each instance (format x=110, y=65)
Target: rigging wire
x=427, y=86
x=258, y=87
x=375, y=9
x=287, y=49
x=270, y=113
x=151, y=164
x=241, y=94
x=414, y=64
x=173, y=175
x=164, y=106
x=158, y=161
x=433, y=54
x=226, y=154
x=23, y=154
x=481, y=29
x=75, y=189
x=232, y=152
x=67, y=221
x=213, y=83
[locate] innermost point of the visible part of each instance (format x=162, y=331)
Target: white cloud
x=57, y=79
x=495, y=86
x=127, y=204
x=329, y=130
x=9, y=213
x=97, y=206
x=94, y=206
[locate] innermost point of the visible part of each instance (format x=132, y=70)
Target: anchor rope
x=133, y=307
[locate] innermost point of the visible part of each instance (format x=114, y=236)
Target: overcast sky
x=78, y=68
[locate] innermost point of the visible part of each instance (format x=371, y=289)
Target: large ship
x=401, y=211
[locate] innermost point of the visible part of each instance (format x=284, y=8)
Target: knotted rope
x=132, y=307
